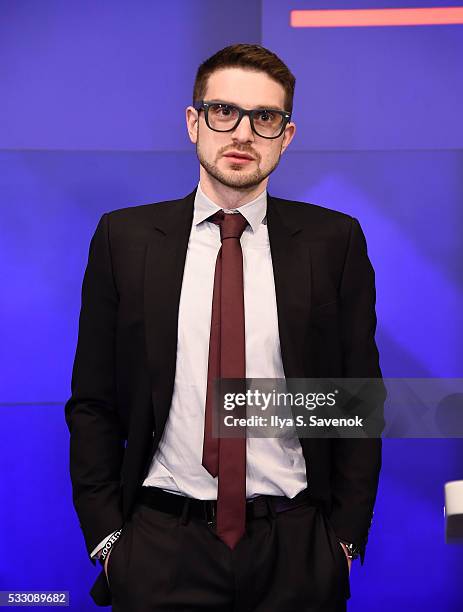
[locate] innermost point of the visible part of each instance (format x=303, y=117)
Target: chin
x=240, y=182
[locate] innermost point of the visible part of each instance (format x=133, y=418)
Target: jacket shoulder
x=135, y=223
x=310, y=209
x=314, y=216
x=142, y=211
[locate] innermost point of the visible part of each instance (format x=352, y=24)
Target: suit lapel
x=291, y=262
x=165, y=262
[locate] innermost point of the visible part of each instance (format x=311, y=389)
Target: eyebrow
x=260, y=107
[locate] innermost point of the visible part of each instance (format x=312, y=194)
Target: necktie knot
x=232, y=225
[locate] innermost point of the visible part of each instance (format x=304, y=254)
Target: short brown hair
x=251, y=57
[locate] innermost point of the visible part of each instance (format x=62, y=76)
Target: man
x=228, y=282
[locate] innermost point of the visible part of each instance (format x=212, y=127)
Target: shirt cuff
x=100, y=546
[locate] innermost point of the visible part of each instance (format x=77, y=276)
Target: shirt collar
x=254, y=212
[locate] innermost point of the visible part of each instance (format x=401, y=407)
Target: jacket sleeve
x=96, y=436
x=356, y=462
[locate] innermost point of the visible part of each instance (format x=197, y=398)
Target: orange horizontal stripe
x=376, y=17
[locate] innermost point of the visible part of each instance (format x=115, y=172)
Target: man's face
x=249, y=90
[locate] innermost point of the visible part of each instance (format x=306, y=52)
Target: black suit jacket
x=124, y=368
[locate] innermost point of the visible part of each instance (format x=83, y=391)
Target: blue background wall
x=92, y=119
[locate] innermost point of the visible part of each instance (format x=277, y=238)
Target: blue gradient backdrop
x=92, y=119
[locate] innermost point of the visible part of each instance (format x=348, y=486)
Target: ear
x=192, y=123
x=288, y=135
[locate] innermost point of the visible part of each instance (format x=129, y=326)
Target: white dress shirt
x=275, y=465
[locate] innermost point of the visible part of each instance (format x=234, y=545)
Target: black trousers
x=289, y=561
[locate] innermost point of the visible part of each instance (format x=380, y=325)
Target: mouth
x=240, y=158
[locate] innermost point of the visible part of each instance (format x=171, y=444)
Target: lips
x=238, y=155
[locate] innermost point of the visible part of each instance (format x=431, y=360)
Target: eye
x=266, y=116
x=222, y=110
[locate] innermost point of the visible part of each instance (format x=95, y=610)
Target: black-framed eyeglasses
x=224, y=117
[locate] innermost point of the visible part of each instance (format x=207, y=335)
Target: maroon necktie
x=226, y=456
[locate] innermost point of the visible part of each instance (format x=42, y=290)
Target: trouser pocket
x=339, y=557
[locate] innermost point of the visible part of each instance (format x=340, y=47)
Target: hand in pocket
x=106, y=563
x=349, y=561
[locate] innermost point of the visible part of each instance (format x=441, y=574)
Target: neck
x=229, y=197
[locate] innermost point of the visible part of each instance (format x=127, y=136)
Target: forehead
x=247, y=88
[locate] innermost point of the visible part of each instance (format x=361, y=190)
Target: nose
x=243, y=132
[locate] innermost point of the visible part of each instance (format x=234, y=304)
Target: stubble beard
x=237, y=178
